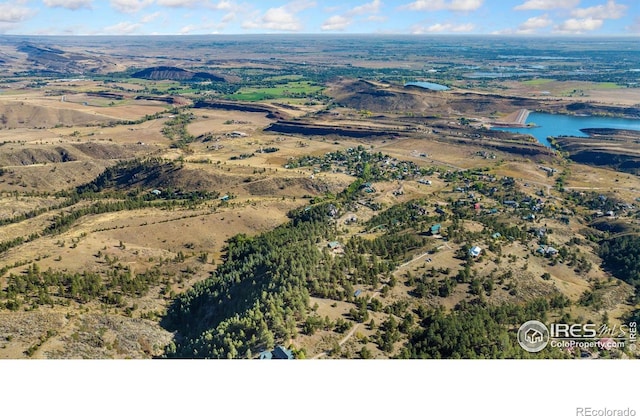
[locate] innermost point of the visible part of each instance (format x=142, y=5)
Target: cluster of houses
x=547, y=251
x=348, y=162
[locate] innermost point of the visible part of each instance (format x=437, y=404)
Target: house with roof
x=475, y=251
x=435, y=229
x=281, y=353
x=539, y=231
x=547, y=251
x=350, y=219
x=278, y=353
x=334, y=245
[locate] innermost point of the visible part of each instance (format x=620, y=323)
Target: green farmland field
x=295, y=89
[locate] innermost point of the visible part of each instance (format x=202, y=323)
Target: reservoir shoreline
x=555, y=125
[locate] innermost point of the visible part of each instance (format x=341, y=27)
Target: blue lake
x=564, y=125
x=427, y=85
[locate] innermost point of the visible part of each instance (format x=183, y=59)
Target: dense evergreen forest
x=475, y=330
x=256, y=297
x=621, y=256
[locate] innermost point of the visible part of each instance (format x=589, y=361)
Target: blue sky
x=192, y=17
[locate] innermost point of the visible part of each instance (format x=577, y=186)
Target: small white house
x=475, y=251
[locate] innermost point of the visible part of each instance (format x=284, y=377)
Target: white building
x=475, y=251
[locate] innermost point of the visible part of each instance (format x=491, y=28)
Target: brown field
x=57, y=138
x=575, y=91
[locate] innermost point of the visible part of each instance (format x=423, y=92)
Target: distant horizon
x=585, y=37
x=539, y=18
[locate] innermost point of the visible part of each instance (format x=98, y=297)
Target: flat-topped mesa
x=176, y=74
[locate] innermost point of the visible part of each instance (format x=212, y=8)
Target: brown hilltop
x=16, y=114
x=376, y=97
x=176, y=74
x=365, y=95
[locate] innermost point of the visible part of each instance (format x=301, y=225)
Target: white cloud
x=12, y=14
x=300, y=5
x=69, y=4
x=331, y=9
x=532, y=24
x=336, y=22
x=367, y=8
x=130, y=6
x=281, y=18
x=547, y=4
x=221, y=5
x=443, y=28
x=342, y=21
x=591, y=18
x=178, y=3
x=577, y=26
x=611, y=10
x=207, y=28
x=185, y=30
x=150, y=17
x=452, y=5
x=122, y=28
x=377, y=18
x=277, y=18
x=7, y=27
x=228, y=17
x=224, y=5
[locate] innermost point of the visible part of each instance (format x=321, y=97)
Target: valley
x=213, y=200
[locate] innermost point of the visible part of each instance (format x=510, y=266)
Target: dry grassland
x=43, y=132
